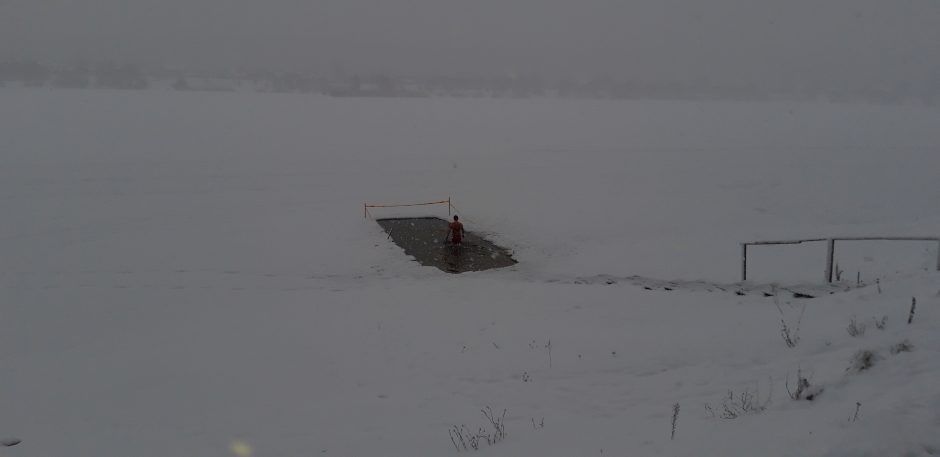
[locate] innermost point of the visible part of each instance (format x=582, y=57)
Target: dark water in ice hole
x=423, y=238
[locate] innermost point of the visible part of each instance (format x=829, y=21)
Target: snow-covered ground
x=184, y=271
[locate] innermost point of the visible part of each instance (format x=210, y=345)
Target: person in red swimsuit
x=455, y=232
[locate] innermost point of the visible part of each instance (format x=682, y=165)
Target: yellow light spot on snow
x=241, y=449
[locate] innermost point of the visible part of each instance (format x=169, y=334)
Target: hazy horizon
x=726, y=40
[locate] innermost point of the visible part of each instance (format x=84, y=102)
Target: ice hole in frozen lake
x=423, y=238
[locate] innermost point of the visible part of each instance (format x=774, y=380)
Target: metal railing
x=831, y=248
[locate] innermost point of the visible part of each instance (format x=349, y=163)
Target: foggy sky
x=730, y=39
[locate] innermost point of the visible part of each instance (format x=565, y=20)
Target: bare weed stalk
x=802, y=390
x=463, y=439
x=790, y=335
x=745, y=403
x=855, y=329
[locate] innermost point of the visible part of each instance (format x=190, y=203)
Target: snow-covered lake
x=184, y=271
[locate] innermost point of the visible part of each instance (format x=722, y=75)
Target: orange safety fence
x=366, y=206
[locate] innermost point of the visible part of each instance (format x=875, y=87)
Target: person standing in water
x=455, y=232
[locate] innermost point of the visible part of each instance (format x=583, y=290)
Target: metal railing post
x=743, y=261
x=938, y=255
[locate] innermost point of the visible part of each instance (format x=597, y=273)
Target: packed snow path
x=248, y=280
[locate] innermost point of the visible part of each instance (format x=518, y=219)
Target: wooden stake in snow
x=675, y=418
x=910, y=317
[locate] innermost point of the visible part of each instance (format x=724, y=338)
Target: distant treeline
x=78, y=76
x=108, y=75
